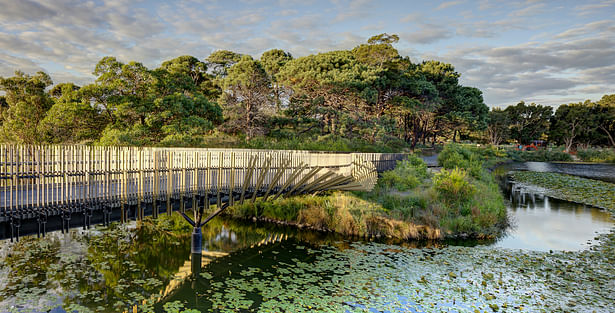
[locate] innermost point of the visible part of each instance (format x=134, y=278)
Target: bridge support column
x=197, y=241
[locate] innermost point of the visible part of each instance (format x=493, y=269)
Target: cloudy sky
x=549, y=52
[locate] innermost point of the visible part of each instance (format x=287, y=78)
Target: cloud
x=568, y=56
x=427, y=33
x=549, y=71
x=412, y=17
x=352, y=9
x=448, y=4
x=534, y=9
x=591, y=8
x=24, y=10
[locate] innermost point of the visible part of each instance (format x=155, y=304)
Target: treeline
x=370, y=94
x=574, y=126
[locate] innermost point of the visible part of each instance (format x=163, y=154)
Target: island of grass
x=462, y=200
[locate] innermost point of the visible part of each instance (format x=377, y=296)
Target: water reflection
x=542, y=223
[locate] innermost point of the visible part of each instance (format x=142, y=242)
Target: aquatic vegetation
x=305, y=272
x=571, y=188
x=107, y=269
x=359, y=277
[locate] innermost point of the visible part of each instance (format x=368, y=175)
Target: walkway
x=53, y=187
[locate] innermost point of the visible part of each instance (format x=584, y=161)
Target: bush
x=453, y=186
x=408, y=174
x=467, y=157
x=597, y=155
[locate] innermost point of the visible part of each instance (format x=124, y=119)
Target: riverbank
x=462, y=201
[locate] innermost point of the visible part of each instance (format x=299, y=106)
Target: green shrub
x=453, y=186
x=471, y=158
x=597, y=155
x=408, y=174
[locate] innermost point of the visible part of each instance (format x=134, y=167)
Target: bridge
x=44, y=188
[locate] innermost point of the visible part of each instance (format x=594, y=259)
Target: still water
x=262, y=267
x=541, y=223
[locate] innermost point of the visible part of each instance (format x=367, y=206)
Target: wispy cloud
x=510, y=50
x=448, y=4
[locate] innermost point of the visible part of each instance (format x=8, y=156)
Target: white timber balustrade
x=41, y=185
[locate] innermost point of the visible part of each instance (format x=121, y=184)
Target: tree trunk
x=455, y=135
x=606, y=131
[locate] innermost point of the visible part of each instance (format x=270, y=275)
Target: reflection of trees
x=135, y=263
x=29, y=265
x=121, y=265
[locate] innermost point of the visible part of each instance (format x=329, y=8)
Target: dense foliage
x=367, y=95
x=574, y=126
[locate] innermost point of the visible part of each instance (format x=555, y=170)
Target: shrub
x=453, y=186
x=468, y=157
x=408, y=174
x=597, y=155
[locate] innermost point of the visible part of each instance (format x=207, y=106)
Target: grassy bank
x=571, y=188
x=409, y=202
x=594, y=155
x=542, y=155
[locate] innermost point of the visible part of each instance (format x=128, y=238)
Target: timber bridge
x=44, y=188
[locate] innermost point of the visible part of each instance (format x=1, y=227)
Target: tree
x=467, y=110
x=246, y=96
x=528, y=122
x=27, y=103
x=604, y=111
x=125, y=91
x=58, y=90
x=569, y=121
x=187, y=67
x=498, y=126
x=178, y=119
x=221, y=60
x=273, y=61
x=378, y=51
x=326, y=86
x=387, y=80
x=71, y=119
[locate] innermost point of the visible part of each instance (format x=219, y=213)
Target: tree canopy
x=369, y=95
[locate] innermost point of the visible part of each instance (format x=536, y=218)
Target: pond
x=250, y=266
x=541, y=223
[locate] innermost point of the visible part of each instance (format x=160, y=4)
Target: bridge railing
x=41, y=182
x=45, y=177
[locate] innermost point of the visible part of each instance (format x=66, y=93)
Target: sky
x=547, y=52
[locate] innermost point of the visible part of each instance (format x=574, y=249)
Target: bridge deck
x=42, y=184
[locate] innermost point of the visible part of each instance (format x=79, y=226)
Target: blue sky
x=548, y=52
